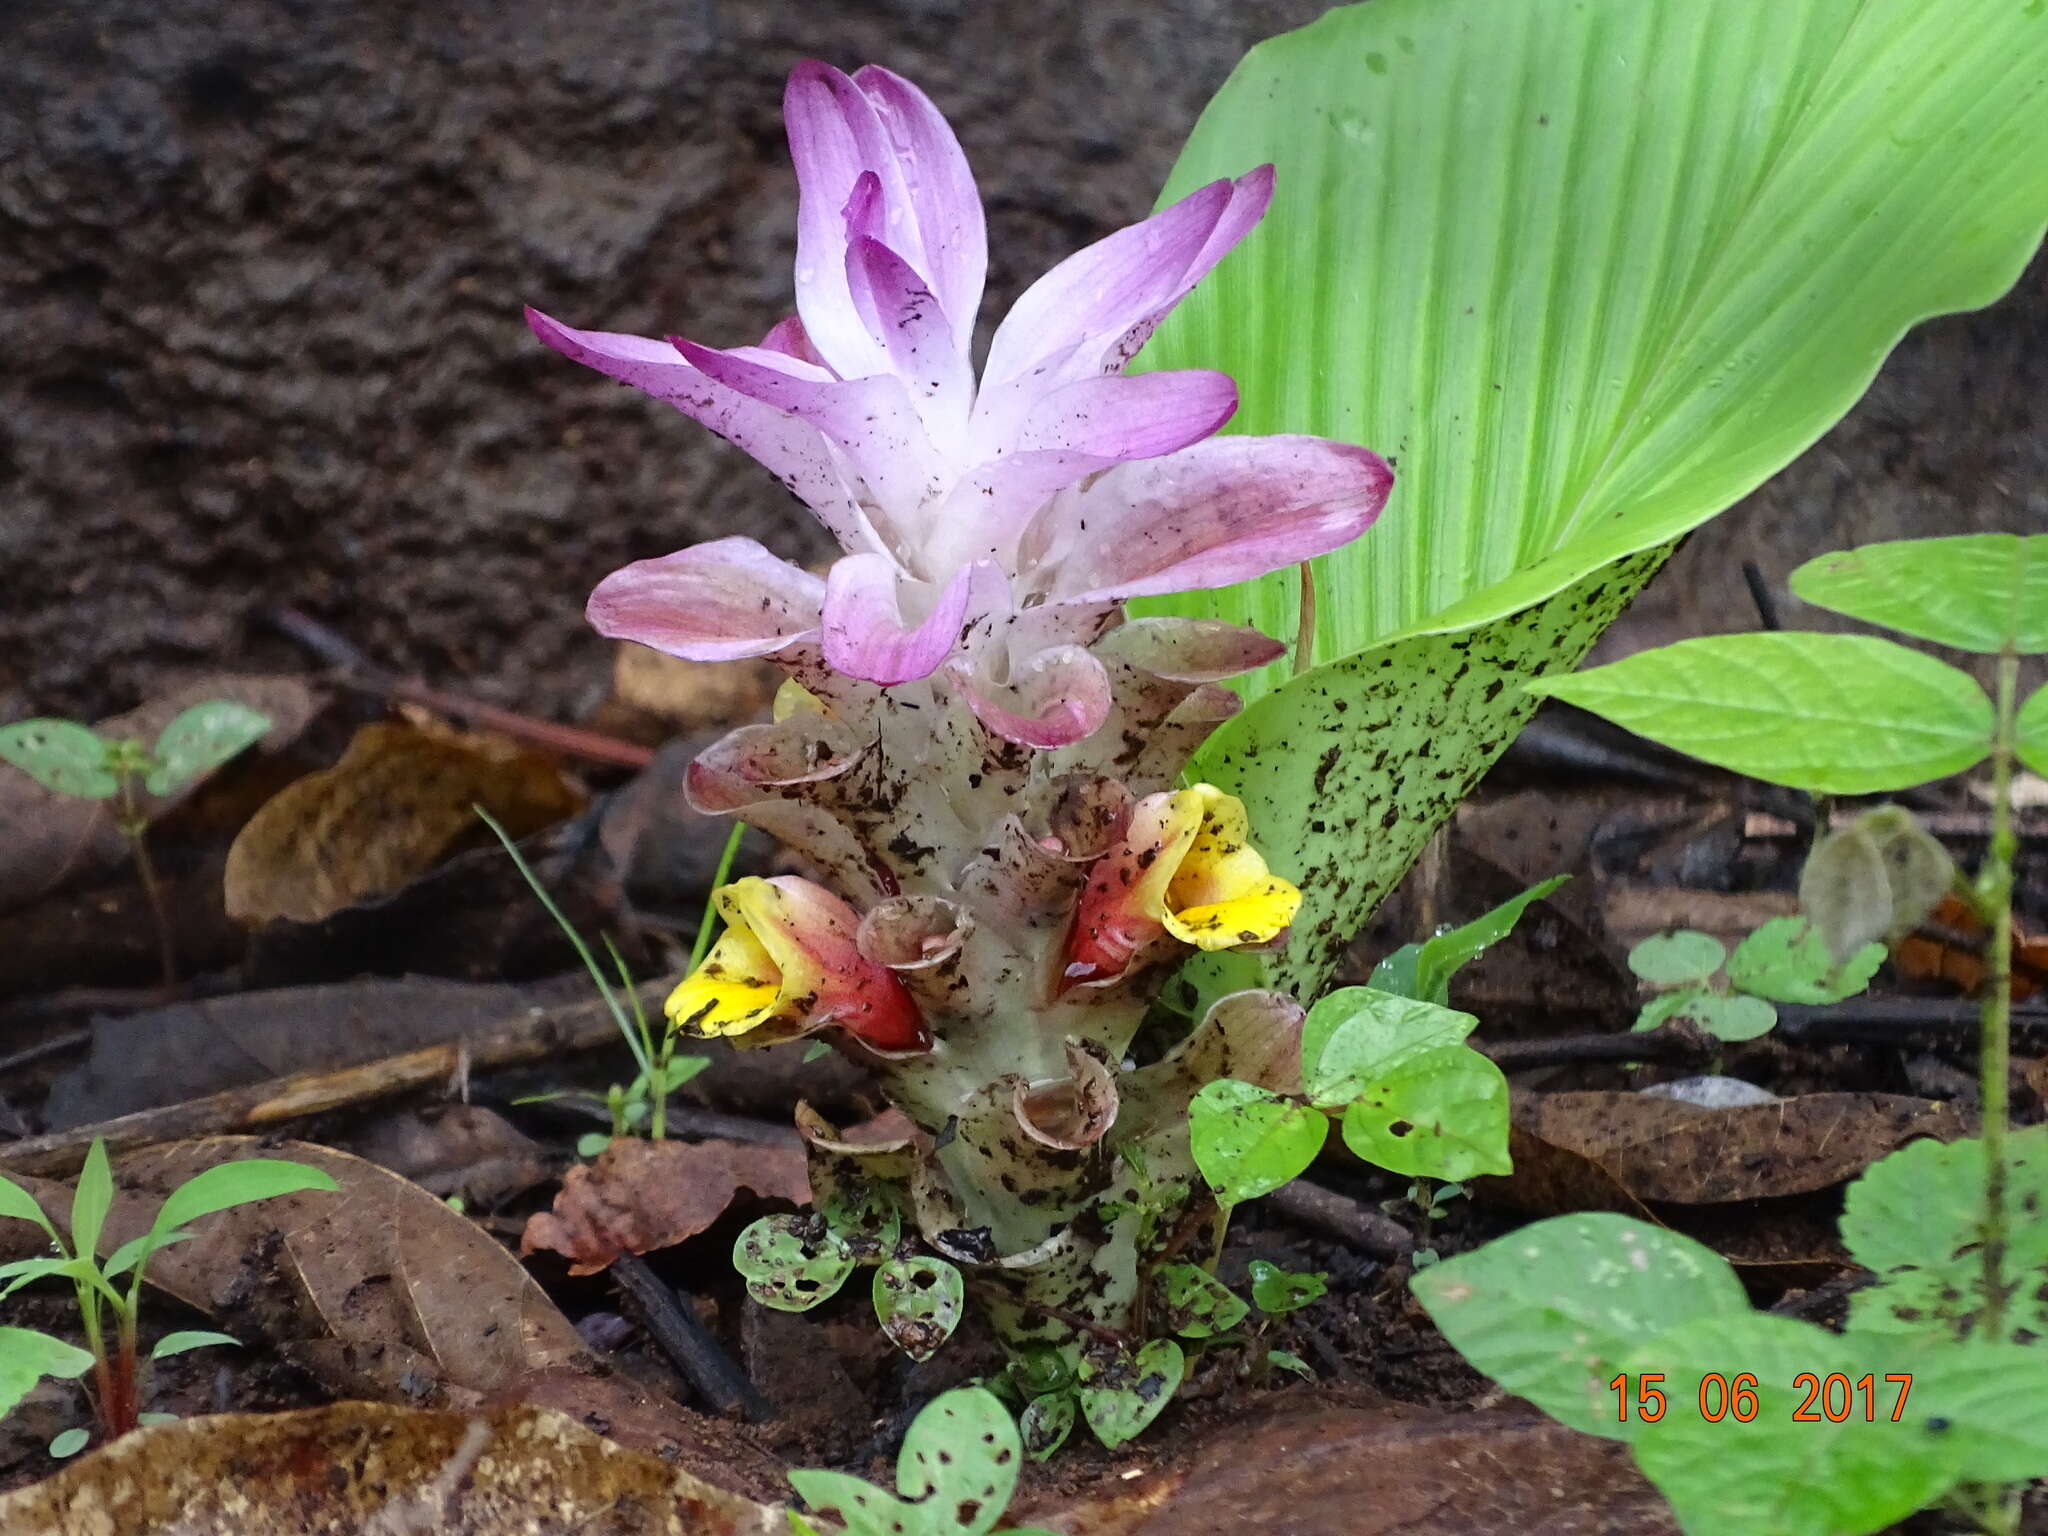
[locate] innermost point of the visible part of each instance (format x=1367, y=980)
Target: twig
x=56, y=1045
x=1341, y=1217
x=687, y=1343
x=1650, y=1045
x=537, y=1035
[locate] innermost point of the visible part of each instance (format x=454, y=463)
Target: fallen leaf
x=643, y=1195
x=1950, y=945
x=399, y=801
x=464, y=1150
x=48, y=839
x=1384, y=1472
x=369, y=1469
x=1582, y=1151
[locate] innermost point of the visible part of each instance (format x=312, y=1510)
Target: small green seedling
x=70, y=759
x=954, y=1477
x=26, y=1355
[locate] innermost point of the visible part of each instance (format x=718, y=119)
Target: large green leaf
x=1975, y=591
x=1588, y=271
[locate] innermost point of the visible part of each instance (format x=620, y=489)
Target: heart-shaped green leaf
x=792, y=1263
x=1248, y=1142
x=1442, y=1114
x=1121, y=1396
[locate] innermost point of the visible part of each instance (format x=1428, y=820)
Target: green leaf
x=1787, y=961
x=2031, y=732
x=1835, y=714
x=1442, y=1114
x=1120, y=1397
x=592, y=1143
x=1914, y=1219
x=147, y=1419
x=60, y=755
x=200, y=740
x=1287, y=1360
x=191, y=1338
x=91, y=1198
x=222, y=1187
x=1248, y=1142
x=1356, y=1036
x=27, y=1356
x=20, y=1272
x=1974, y=591
x=1551, y=1311
x=918, y=1302
x=1425, y=970
x=1276, y=1290
x=1046, y=1422
x=1721, y=1015
x=792, y=1263
x=960, y=1458
x=1673, y=959
x=862, y=1508
x=21, y=1205
x=1195, y=1304
x=69, y=1443
x=1775, y=1474
x=1993, y=1400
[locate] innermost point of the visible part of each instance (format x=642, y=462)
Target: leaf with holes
x=60, y=755
x=955, y=1474
x=1276, y=1290
x=1673, y=959
x=1194, y=1303
x=200, y=740
x=1046, y=1422
x=792, y=1263
x=918, y=1302
x=1974, y=591
x=1550, y=1311
x=1248, y=1141
x=1787, y=961
x=1120, y=1396
x=1357, y=1036
x=1442, y=1114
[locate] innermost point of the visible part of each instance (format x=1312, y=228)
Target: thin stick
x=1339, y=1216
x=1995, y=1057
x=686, y=1342
x=1305, y=625
x=135, y=827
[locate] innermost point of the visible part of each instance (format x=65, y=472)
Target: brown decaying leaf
x=47, y=839
x=370, y=1469
x=1386, y=1472
x=1605, y=1151
x=643, y=1195
x=398, y=801
x=1950, y=947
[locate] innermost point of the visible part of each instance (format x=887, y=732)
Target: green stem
x=1994, y=902
x=704, y=928
x=135, y=827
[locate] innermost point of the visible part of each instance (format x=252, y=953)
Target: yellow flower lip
x=1186, y=868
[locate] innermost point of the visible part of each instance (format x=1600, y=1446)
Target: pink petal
x=1101, y=304
x=1219, y=512
x=906, y=320
x=1053, y=699
x=865, y=635
x=944, y=199
x=792, y=450
x=711, y=602
x=787, y=336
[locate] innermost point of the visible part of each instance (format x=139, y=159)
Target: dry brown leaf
x=1347, y=1472
x=369, y=1469
x=399, y=801
x=1590, y=1150
x=643, y=1195
x=47, y=839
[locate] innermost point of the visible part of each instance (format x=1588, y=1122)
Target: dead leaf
x=1950, y=947
x=1384, y=1472
x=643, y=1195
x=48, y=839
x=464, y=1150
x=396, y=804
x=368, y=1469
x=1580, y=1151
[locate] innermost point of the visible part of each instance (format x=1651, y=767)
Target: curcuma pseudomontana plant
x=977, y=751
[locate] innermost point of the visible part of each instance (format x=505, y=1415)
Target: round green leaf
x=1673, y=959
x=1729, y=1017
x=1834, y=714
x=2031, y=735
x=1120, y=1396
x=1787, y=961
x=69, y=1443
x=1440, y=1115
x=1248, y=1142
x=1550, y=1311
x=200, y=740
x=1195, y=1304
x=918, y=1302
x=1276, y=1290
x=792, y=1263
x=960, y=1460
x=60, y=755
x=1046, y=1422
x=1974, y=591
x=1356, y=1035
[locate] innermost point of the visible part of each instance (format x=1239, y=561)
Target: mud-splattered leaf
x=918, y=1302
x=1276, y=1290
x=1915, y=1219
x=1121, y=1395
x=400, y=800
x=1045, y=1423
x=1580, y=1149
x=1550, y=1311
x=1357, y=1036
x=1974, y=591
x=1194, y=1303
x=27, y=1356
x=1248, y=1142
x=643, y=1195
x=1787, y=960
x=1441, y=1114
x=61, y=755
x=200, y=739
x=1673, y=959
x=792, y=1263
x=354, y=1468
x=955, y=1474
